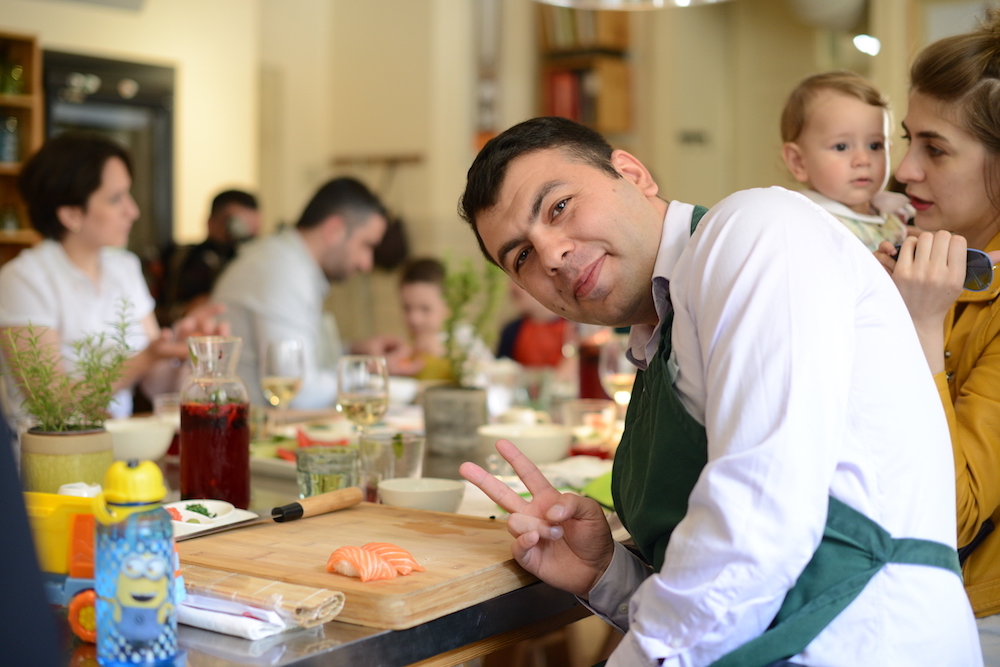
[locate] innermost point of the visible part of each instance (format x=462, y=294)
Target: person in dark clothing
x=192, y=270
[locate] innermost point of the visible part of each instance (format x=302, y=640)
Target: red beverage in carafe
x=215, y=452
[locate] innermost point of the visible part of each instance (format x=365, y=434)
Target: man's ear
x=630, y=168
x=792, y=155
x=335, y=230
x=71, y=217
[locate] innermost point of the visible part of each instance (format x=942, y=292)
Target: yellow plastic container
x=51, y=517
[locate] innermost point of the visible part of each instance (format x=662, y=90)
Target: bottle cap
x=134, y=482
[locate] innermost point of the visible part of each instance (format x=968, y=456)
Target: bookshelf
x=585, y=71
x=21, y=108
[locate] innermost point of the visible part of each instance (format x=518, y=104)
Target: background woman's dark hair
x=964, y=70
x=486, y=175
x=65, y=171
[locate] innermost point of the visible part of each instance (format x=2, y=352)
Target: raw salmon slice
x=396, y=556
x=356, y=562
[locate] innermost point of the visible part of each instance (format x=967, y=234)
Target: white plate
x=273, y=467
x=224, y=513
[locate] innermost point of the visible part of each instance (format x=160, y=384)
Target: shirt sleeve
x=751, y=335
x=24, y=298
x=974, y=422
x=287, y=310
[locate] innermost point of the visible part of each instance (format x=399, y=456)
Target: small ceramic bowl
x=143, y=438
x=541, y=443
x=424, y=493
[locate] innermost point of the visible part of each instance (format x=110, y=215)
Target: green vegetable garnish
x=200, y=509
x=397, y=445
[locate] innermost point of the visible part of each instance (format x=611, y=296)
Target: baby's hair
x=793, y=117
x=425, y=270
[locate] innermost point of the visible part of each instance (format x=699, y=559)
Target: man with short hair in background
x=234, y=218
x=276, y=287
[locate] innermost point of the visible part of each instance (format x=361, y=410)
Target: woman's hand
x=929, y=273
x=561, y=538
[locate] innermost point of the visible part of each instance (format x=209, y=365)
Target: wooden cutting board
x=467, y=560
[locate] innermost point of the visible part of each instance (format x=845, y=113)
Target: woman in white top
x=73, y=283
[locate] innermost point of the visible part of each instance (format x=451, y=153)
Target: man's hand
x=561, y=538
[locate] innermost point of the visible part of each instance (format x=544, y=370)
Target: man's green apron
x=656, y=467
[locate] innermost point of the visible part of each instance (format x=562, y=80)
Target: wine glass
x=282, y=363
x=617, y=373
x=362, y=388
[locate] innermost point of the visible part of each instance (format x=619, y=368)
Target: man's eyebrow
x=536, y=207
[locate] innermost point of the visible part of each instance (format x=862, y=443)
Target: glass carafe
x=215, y=424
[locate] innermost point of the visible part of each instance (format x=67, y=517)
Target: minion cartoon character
x=141, y=597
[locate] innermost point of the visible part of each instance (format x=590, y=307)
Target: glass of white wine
x=282, y=363
x=617, y=373
x=362, y=388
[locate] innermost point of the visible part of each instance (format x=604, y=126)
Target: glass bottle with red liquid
x=215, y=423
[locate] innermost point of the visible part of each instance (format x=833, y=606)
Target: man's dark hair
x=488, y=170
x=65, y=172
x=346, y=197
x=238, y=197
x=423, y=270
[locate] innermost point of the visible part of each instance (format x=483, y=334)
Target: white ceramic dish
x=541, y=443
x=224, y=513
x=143, y=438
x=424, y=493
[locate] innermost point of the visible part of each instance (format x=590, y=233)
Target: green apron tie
x=657, y=465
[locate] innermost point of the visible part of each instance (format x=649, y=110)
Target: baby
x=834, y=126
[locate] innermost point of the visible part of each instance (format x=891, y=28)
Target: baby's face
x=424, y=308
x=843, y=149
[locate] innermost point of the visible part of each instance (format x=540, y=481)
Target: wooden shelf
x=585, y=73
x=27, y=107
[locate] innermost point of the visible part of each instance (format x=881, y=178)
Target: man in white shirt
x=778, y=466
x=275, y=288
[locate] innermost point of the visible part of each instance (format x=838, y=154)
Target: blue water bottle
x=134, y=568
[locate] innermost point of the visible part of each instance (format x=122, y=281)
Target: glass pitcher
x=215, y=424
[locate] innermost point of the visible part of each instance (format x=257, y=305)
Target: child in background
x=421, y=293
x=835, y=127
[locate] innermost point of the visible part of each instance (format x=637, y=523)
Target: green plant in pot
x=452, y=413
x=67, y=441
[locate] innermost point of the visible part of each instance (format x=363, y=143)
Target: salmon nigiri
x=398, y=557
x=356, y=562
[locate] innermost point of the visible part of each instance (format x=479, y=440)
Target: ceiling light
x=867, y=44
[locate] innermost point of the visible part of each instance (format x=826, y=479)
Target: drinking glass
x=281, y=368
x=362, y=388
x=616, y=372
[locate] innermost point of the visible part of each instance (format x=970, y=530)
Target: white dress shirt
x=42, y=287
x=781, y=325
x=273, y=290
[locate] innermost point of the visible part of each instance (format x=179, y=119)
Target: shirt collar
x=836, y=208
x=644, y=338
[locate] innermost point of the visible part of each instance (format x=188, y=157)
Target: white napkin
x=230, y=618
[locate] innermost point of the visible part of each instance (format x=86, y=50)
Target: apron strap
x=853, y=550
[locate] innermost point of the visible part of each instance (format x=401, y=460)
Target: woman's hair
x=964, y=71
x=424, y=270
x=65, y=172
x=793, y=116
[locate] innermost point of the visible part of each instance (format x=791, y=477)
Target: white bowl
x=423, y=493
x=403, y=390
x=143, y=438
x=541, y=443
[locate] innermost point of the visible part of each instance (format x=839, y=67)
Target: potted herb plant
x=453, y=412
x=67, y=442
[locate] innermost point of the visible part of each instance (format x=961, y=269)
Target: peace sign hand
x=561, y=538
